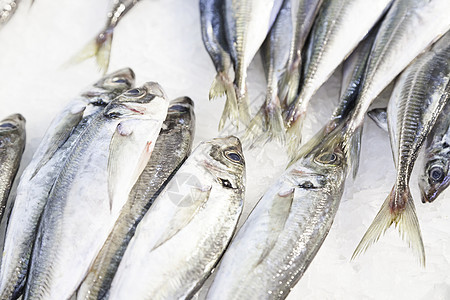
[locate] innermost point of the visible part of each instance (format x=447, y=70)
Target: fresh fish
x=39, y=176
x=418, y=97
x=247, y=23
x=12, y=144
x=185, y=232
x=339, y=27
x=304, y=15
x=100, y=47
x=214, y=39
x=171, y=150
x=91, y=187
x=268, y=122
x=434, y=178
x=283, y=233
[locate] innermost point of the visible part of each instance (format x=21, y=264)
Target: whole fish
x=268, y=122
x=283, y=233
x=418, y=97
x=91, y=187
x=339, y=27
x=185, y=232
x=214, y=38
x=100, y=47
x=39, y=176
x=304, y=13
x=247, y=23
x=434, y=178
x=171, y=150
x=12, y=144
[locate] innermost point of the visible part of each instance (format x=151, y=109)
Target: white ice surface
x=161, y=41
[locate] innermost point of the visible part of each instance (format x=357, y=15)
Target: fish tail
x=244, y=108
x=405, y=220
x=294, y=135
x=100, y=47
x=230, y=110
x=289, y=87
x=220, y=85
x=355, y=150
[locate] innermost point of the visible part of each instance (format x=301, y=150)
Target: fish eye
x=119, y=80
x=233, y=156
x=135, y=92
x=436, y=173
x=328, y=158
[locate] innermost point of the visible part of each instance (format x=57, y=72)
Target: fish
x=100, y=46
x=247, y=23
x=434, y=178
x=12, y=145
x=419, y=95
x=37, y=178
x=275, y=245
x=172, y=148
x=90, y=189
x=188, y=227
x=268, y=123
x=329, y=44
x=214, y=39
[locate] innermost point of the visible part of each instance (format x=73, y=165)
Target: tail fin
x=244, y=108
x=221, y=84
x=355, y=150
x=100, y=47
x=405, y=221
x=289, y=87
x=267, y=124
x=294, y=136
x=231, y=109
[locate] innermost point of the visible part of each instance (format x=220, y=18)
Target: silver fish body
x=38, y=177
x=171, y=150
x=435, y=176
x=12, y=144
x=91, y=187
x=339, y=27
x=185, y=232
x=247, y=24
x=418, y=97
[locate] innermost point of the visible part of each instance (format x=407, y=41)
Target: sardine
x=39, y=176
x=91, y=187
x=268, y=122
x=247, y=23
x=214, y=38
x=434, y=178
x=100, y=47
x=12, y=144
x=283, y=233
x=171, y=150
x=418, y=97
x=339, y=27
x=187, y=229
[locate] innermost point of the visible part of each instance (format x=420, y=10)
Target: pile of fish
x=114, y=205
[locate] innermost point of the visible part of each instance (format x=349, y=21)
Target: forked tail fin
x=100, y=47
x=289, y=87
x=231, y=109
x=294, y=136
x=405, y=221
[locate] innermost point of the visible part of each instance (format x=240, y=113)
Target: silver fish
x=283, y=233
x=171, y=150
x=91, y=187
x=12, y=144
x=434, y=178
x=247, y=23
x=268, y=122
x=214, y=39
x=187, y=229
x=39, y=176
x=418, y=97
x=100, y=47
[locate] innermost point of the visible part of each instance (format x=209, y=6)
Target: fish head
x=148, y=102
x=224, y=159
x=109, y=87
x=322, y=169
x=434, y=179
x=180, y=113
x=12, y=130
